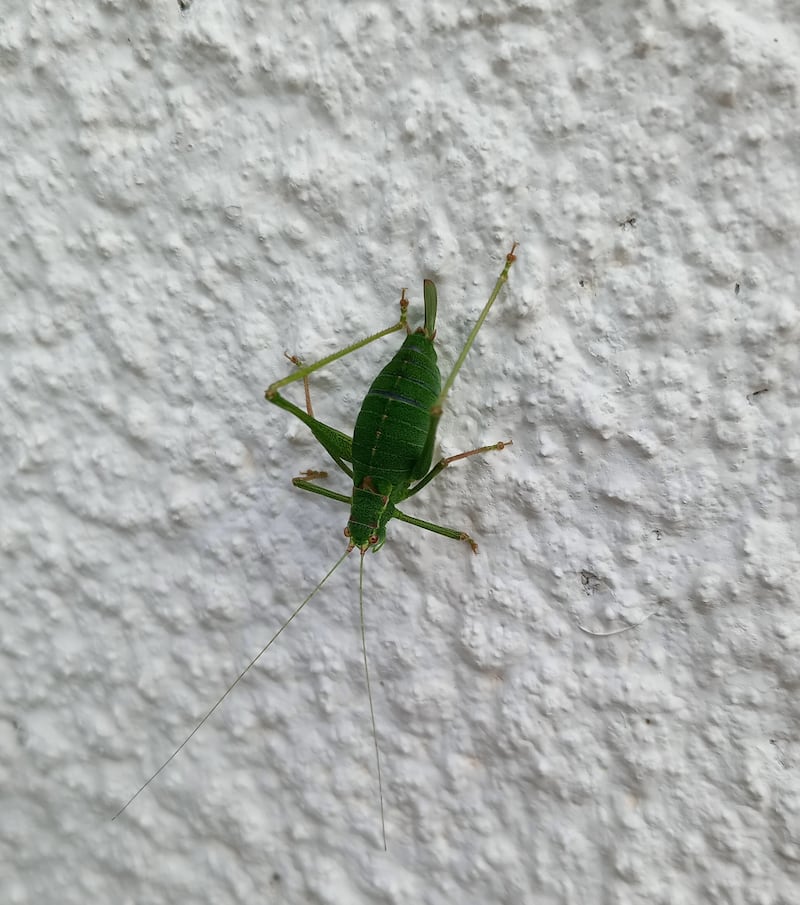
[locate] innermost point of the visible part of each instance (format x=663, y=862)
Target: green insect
x=389, y=459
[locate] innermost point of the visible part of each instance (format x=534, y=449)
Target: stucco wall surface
x=186, y=195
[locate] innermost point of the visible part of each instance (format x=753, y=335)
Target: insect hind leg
x=302, y=370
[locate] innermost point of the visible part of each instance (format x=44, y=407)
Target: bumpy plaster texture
x=188, y=194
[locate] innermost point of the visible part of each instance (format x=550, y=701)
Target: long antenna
x=235, y=682
x=369, y=695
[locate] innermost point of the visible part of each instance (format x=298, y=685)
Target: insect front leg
x=437, y=529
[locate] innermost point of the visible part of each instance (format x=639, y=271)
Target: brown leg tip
x=310, y=475
x=471, y=542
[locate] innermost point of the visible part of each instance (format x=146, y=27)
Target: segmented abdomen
x=394, y=420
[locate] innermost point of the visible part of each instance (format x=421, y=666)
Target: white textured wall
x=183, y=197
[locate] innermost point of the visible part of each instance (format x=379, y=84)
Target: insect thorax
x=369, y=515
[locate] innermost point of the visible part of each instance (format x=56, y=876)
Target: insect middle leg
x=305, y=482
x=443, y=463
x=501, y=444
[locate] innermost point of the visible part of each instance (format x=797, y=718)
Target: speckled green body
x=391, y=449
x=393, y=437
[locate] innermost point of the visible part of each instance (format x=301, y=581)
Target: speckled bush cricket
x=388, y=458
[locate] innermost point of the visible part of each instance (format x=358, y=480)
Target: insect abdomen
x=395, y=418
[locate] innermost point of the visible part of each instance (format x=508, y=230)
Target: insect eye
x=346, y=531
x=373, y=538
